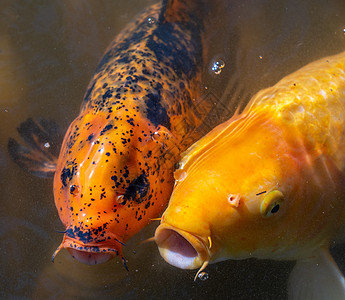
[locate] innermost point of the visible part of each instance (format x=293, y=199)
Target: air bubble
x=217, y=66
x=203, y=276
x=151, y=20
x=47, y=145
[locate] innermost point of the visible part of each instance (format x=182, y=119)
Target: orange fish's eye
x=74, y=190
x=271, y=203
x=120, y=199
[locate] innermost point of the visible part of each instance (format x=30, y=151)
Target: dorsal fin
x=181, y=10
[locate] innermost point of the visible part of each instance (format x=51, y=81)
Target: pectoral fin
x=43, y=141
x=316, y=278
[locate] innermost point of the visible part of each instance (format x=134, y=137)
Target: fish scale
x=121, y=150
x=142, y=107
x=269, y=183
x=313, y=95
x=323, y=111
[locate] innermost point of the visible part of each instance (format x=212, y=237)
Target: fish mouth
x=90, y=258
x=88, y=254
x=180, y=248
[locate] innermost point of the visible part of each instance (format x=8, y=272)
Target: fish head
x=235, y=196
x=113, y=176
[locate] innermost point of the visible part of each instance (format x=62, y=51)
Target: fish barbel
x=268, y=183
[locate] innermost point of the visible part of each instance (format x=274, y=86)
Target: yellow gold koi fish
x=269, y=183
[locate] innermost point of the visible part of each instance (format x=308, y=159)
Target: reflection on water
x=48, y=51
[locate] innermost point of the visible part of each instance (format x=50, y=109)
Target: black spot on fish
x=82, y=235
x=126, y=173
x=88, y=235
x=115, y=179
x=137, y=189
x=131, y=121
x=156, y=113
x=107, y=94
x=90, y=137
x=66, y=175
x=106, y=128
x=124, y=59
x=135, y=38
x=166, y=43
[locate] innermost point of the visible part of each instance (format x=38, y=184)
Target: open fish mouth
x=90, y=258
x=88, y=254
x=180, y=248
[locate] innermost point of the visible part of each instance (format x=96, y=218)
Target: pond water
x=48, y=52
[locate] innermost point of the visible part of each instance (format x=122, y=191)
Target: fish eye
x=74, y=189
x=271, y=203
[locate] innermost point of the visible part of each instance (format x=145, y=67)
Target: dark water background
x=48, y=51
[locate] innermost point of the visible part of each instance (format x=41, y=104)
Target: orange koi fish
x=269, y=183
x=115, y=169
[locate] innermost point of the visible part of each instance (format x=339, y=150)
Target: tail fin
x=43, y=140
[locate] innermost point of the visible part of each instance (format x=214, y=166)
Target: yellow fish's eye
x=271, y=203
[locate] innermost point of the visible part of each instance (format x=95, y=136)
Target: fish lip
x=70, y=243
x=90, y=258
x=73, y=245
x=181, y=257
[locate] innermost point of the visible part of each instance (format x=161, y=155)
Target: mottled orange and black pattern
x=115, y=169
